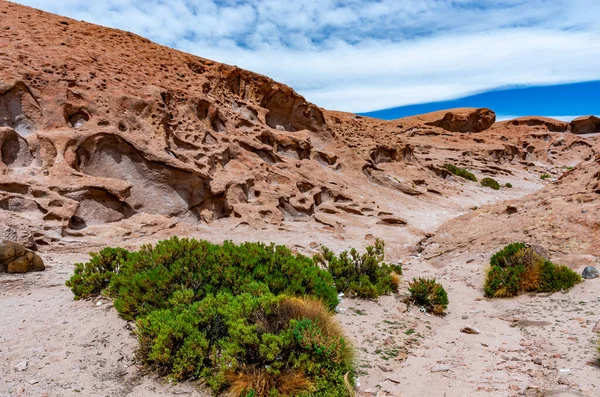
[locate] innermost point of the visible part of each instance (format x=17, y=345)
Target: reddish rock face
x=103, y=128
x=461, y=120
x=549, y=124
x=585, y=125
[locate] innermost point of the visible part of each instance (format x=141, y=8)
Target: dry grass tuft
x=261, y=383
x=396, y=279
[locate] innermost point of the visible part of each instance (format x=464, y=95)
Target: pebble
x=22, y=366
x=440, y=368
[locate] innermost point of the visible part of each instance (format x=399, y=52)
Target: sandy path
x=72, y=348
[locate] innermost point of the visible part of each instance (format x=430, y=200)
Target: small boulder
x=511, y=209
x=590, y=272
x=585, y=125
x=15, y=258
x=462, y=120
x=21, y=366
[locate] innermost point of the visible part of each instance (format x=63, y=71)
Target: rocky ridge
x=98, y=127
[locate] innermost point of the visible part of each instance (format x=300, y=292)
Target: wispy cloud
x=361, y=55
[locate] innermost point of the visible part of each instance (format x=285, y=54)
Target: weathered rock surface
x=14, y=258
x=104, y=133
x=460, y=120
x=542, y=123
x=585, y=125
x=590, y=272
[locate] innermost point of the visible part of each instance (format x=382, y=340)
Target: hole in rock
x=15, y=150
x=78, y=119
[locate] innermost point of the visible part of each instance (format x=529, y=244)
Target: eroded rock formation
x=100, y=127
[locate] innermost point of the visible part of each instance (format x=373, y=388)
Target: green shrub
x=557, y=277
x=250, y=319
x=544, y=176
x=517, y=269
x=428, y=294
x=463, y=173
x=506, y=256
x=491, y=183
x=93, y=277
x=364, y=276
x=249, y=345
x=508, y=185
x=154, y=276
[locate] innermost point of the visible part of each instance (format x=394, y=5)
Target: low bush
x=463, y=173
x=517, y=269
x=250, y=319
x=364, y=276
x=186, y=269
x=93, y=277
x=508, y=185
x=491, y=183
x=544, y=176
x=250, y=346
x=428, y=294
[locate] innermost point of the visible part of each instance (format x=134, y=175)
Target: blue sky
x=367, y=55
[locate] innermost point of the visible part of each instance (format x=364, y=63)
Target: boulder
x=585, y=125
x=15, y=258
x=590, y=272
x=461, y=120
x=552, y=125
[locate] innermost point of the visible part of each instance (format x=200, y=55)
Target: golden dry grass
x=261, y=382
x=396, y=280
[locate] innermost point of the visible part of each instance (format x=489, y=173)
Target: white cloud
x=363, y=55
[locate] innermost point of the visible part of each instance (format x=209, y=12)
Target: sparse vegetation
x=508, y=185
x=428, y=294
x=517, y=269
x=364, y=276
x=249, y=319
x=544, y=176
x=491, y=183
x=93, y=277
x=461, y=172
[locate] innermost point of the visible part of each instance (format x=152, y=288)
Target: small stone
x=465, y=317
x=471, y=260
x=511, y=209
x=440, y=368
x=596, y=328
x=469, y=330
x=22, y=366
x=590, y=272
x=537, y=361
x=33, y=381
x=562, y=380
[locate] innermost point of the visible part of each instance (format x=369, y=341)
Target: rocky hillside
x=100, y=127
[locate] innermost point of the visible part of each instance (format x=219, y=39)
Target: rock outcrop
x=14, y=258
x=543, y=123
x=585, y=125
x=460, y=120
x=103, y=132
